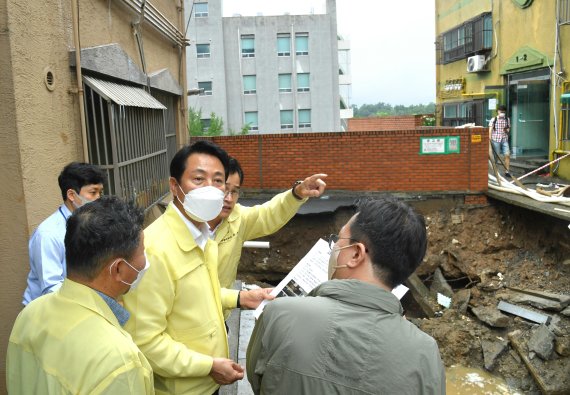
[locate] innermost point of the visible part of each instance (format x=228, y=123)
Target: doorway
x=529, y=99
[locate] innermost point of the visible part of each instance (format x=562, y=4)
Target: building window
x=303, y=82
x=203, y=50
x=251, y=120
x=200, y=10
x=284, y=83
x=304, y=119
x=248, y=46
x=286, y=117
x=205, y=88
x=284, y=44
x=301, y=43
x=205, y=124
x=460, y=113
x=249, y=84
x=130, y=143
x=472, y=37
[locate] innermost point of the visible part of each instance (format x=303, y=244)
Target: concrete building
x=129, y=116
x=274, y=73
x=514, y=53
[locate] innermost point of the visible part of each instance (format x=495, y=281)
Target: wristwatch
x=293, y=189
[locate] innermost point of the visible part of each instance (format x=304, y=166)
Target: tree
x=382, y=109
x=196, y=126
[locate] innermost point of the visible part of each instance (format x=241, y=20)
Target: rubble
x=526, y=265
x=542, y=342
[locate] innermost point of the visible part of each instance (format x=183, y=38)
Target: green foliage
x=382, y=109
x=216, y=125
x=197, y=128
x=195, y=122
x=245, y=129
x=428, y=120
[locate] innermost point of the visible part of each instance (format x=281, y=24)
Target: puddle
x=461, y=380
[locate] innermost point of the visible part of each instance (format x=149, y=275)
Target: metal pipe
x=546, y=165
x=75, y=18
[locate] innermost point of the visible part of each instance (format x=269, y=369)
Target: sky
x=392, y=44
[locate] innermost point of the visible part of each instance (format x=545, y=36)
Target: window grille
x=460, y=113
x=127, y=138
x=564, y=12
x=473, y=36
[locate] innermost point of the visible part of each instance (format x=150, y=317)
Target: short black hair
x=235, y=167
x=178, y=162
x=104, y=229
x=395, y=235
x=76, y=175
x=502, y=108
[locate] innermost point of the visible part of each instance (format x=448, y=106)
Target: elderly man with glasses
x=349, y=335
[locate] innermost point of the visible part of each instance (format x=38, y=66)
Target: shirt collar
x=120, y=312
x=64, y=211
x=201, y=234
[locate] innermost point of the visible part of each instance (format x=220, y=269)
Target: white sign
x=433, y=146
x=492, y=104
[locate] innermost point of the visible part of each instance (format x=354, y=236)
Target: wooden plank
x=420, y=294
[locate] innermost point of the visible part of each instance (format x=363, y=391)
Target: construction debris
x=524, y=313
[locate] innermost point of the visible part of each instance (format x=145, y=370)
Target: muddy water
x=462, y=381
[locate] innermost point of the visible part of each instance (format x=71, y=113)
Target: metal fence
x=127, y=138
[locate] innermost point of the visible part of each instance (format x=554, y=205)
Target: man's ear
x=173, y=186
x=358, y=256
x=71, y=195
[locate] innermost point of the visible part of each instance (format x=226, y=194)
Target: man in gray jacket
x=349, y=336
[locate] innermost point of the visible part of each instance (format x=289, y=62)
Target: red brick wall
x=362, y=161
x=384, y=123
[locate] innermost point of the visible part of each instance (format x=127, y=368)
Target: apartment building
x=275, y=74
x=510, y=52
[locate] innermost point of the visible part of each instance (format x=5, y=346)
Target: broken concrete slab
x=440, y=285
x=566, y=312
x=542, y=342
x=491, y=316
x=534, y=301
x=562, y=298
x=491, y=351
x=420, y=294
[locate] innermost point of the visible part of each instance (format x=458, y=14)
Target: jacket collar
x=180, y=231
x=88, y=298
x=360, y=293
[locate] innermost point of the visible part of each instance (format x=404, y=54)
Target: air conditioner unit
x=475, y=63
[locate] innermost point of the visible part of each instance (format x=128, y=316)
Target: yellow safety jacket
x=247, y=223
x=176, y=311
x=70, y=342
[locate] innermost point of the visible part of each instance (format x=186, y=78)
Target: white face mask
x=140, y=273
x=501, y=115
x=332, y=261
x=83, y=200
x=203, y=204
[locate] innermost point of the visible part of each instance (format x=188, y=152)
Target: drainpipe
x=75, y=12
x=182, y=79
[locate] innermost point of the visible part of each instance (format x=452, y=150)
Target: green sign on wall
x=439, y=145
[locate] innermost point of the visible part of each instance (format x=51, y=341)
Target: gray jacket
x=347, y=337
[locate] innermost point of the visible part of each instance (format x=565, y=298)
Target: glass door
x=530, y=121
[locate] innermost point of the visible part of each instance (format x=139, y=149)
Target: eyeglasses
x=333, y=239
x=233, y=194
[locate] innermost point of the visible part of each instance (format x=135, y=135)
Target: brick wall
x=384, y=123
x=362, y=161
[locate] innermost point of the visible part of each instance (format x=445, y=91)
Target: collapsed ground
x=486, y=254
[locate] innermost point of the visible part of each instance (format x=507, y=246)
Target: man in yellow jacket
x=71, y=341
x=237, y=223
x=177, y=312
